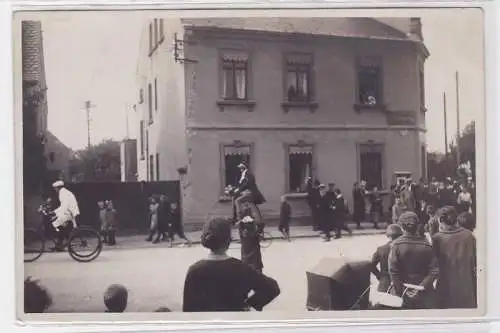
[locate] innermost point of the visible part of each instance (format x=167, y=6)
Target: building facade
x=340, y=100
x=128, y=160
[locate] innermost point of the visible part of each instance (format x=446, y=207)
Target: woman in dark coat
x=223, y=283
x=455, y=248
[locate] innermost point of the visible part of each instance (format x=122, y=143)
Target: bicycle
x=77, y=241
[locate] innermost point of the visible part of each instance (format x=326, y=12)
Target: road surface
x=155, y=276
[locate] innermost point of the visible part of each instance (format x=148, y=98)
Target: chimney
x=416, y=28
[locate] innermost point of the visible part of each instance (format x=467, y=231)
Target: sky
x=94, y=57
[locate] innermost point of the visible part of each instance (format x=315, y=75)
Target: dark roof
x=32, y=50
x=357, y=27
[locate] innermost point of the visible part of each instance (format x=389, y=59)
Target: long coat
x=412, y=260
x=248, y=183
x=456, y=252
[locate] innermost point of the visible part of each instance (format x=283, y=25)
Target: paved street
x=155, y=276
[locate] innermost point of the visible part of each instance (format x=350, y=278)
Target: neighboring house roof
x=32, y=50
x=354, y=27
x=56, y=145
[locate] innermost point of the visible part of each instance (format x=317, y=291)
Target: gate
x=130, y=200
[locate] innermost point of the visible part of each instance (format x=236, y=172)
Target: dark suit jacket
x=249, y=184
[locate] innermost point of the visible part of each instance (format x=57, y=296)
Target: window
x=150, y=103
x=155, y=40
x=369, y=71
x=298, y=78
x=370, y=160
x=150, y=37
x=234, y=80
x=234, y=155
x=300, y=166
x=142, y=139
x=156, y=95
x=151, y=167
x=157, y=166
x=162, y=32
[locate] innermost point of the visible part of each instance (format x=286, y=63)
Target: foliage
x=97, y=163
x=441, y=166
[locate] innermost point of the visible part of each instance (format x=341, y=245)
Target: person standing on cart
x=247, y=191
x=66, y=214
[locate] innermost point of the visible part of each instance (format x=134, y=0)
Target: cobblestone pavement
x=155, y=276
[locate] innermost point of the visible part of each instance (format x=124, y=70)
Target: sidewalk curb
x=145, y=245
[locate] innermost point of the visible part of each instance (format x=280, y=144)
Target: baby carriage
x=342, y=285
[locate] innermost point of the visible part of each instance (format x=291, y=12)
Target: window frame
x=286, y=149
x=150, y=50
x=370, y=62
x=233, y=66
x=142, y=143
x=222, y=163
x=156, y=94
x=310, y=102
x=224, y=102
x=150, y=103
x=157, y=166
x=375, y=146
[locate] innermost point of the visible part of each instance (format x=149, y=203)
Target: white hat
x=58, y=183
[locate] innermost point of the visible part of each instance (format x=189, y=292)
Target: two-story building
x=337, y=99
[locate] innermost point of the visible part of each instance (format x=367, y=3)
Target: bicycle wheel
x=34, y=245
x=266, y=240
x=84, y=244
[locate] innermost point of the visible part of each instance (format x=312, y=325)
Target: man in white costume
x=66, y=213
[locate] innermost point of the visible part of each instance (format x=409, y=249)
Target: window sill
x=295, y=195
x=223, y=103
x=312, y=106
x=367, y=107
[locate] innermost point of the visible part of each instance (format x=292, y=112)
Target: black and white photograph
x=291, y=164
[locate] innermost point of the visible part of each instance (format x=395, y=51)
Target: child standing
x=381, y=257
x=102, y=220
x=250, y=243
x=111, y=222
x=285, y=213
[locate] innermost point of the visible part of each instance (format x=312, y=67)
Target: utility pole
x=458, y=120
x=445, y=126
x=87, y=107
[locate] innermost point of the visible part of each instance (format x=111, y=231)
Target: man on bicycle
x=66, y=214
x=247, y=191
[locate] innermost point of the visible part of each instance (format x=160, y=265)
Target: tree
x=98, y=163
x=441, y=166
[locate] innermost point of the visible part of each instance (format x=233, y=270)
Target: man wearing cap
x=413, y=261
x=66, y=213
x=247, y=190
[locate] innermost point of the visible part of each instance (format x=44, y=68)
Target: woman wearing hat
x=413, y=261
x=223, y=283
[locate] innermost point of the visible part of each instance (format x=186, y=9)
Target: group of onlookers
x=165, y=220
x=429, y=264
